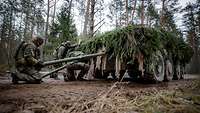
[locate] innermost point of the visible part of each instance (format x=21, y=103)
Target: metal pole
x=58, y=69
x=72, y=58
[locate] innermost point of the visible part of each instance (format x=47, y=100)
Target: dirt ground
x=57, y=96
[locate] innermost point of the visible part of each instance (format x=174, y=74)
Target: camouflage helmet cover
x=38, y=40
x=67, y=43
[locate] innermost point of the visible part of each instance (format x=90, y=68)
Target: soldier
x=71, y=69
x=62, y=50
x=66, y=50
x=27, y=62
x=60, y=53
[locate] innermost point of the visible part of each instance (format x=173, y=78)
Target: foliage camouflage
x=131, y=40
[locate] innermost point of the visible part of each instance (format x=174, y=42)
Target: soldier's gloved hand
x=39, y=65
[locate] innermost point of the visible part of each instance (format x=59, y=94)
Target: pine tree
x=65, y=27
x=93, y=7
x=152, y=15
x=167, y=19
x=116, y=9
x=189, y=22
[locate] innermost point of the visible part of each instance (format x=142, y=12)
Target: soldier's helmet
x=67, y=43
x=38, y=40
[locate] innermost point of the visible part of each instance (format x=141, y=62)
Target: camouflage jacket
x=27, y=55
x=75, y=54
x=63, y=51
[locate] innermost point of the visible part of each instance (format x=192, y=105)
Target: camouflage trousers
x=28, y=74
x=71, y=71
x=55, y=75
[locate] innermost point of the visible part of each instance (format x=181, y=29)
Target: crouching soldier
x=75, y=66
x=59, y=53
x=27, y=62
x=67, y=50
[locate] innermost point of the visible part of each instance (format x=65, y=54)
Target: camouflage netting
x=131, y=40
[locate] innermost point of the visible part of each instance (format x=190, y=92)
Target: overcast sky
x=107, y=25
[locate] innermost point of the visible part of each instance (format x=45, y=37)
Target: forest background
x=76, y=20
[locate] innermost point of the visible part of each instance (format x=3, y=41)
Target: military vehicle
x=144, y=53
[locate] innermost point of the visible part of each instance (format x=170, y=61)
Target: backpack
x=55, y=53
x=22, y=45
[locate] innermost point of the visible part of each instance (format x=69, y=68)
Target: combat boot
x=15, y=79
x=55, y=76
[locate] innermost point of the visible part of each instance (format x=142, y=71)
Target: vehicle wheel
x=182, y=72
x=158, y=67
x=168, y=71
x=177, y=72
x=105, y=74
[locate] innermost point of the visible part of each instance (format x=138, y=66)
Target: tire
x=182, y=72
x=177, y=72
x=168, y=70
x=158, y=67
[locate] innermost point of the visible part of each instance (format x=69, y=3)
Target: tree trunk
x=148, y=19
x=133, y=12
x=126, y=7
x=27, y=21
x=9, y=38
x=3, y=27
x=92, y=18
x=86, y=18
x=47, y=22
x=20, y=26
x=69, y=13
x=142, y=14
x=33, y=19
x=116, y=17
x=54, y=11
x=162, y=13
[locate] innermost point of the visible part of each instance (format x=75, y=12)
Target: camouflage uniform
x=60, y=53
x=27, y=63
x=71, y=69
x=66, y=50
